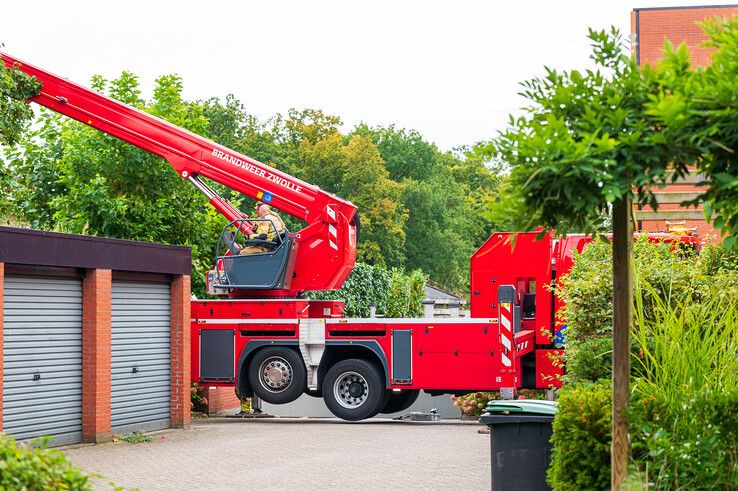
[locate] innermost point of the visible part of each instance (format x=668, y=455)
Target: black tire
x=399, y=401
x=354, y=389
x=277, y=375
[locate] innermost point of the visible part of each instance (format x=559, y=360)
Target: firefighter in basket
x=269, y=225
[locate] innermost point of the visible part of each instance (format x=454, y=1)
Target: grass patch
x=134, y=437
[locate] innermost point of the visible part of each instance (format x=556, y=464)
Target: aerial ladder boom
x=323, y=252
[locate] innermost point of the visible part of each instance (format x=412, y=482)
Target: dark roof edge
x=727, y=5
x=93, y=238
x=53, y=249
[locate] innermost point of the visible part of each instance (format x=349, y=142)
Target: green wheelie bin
x=520, y=431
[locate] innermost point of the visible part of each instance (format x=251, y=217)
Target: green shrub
x=659, y=272
x=717, y=258
x=365, y=285
x=406, y=294
x=698, y=450
x=418, y=280
x=589, y=360
x=394, y=292
x=687, y=365
x=33, y=467
x=683, y=413
x=687, y=348
x=581, y=438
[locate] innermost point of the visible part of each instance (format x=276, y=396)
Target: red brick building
x=651, y=27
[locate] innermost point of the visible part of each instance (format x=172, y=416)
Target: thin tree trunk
x=622, y=295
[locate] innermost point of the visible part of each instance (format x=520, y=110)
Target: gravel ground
x=224, y=454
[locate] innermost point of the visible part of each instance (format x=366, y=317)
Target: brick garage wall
x=96, y=352
x=680, y=25
x=220, y=399
x=180, y=351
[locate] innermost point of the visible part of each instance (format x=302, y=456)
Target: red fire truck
x=265, y=337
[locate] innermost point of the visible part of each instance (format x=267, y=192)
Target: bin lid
x=520, y=407
x=497, y=419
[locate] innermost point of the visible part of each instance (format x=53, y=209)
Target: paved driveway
x=297, y=454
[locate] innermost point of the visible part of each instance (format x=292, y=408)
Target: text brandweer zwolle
x=269, y=176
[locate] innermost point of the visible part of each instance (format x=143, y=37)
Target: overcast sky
x=448, y=69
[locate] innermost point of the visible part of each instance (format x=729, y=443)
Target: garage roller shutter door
x=140, y=390
x=42, y=358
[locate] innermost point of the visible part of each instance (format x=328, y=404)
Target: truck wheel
x=277, y=375
x=354, y=390
x=399, y=401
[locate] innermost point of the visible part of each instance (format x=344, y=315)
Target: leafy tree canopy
x=587, y=140
x=15, y=88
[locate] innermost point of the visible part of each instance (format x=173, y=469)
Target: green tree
x=479, y=185
x=227, y=120
x=444, y=194
x=309, y=145
x=437, y=233
x=322, y=161
x=33, y=176
x=405, y=152
x=586, y=147
x=298, y=131
x=15, y=114
x=365, y=181
x=15, y=88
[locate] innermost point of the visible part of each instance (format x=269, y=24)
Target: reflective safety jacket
x=270, y=224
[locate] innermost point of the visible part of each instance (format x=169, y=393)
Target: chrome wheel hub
x=351, y=390
x=275, y=374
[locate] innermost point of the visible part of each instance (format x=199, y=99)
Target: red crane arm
x=325, y=249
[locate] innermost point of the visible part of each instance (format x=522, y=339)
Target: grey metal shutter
x=140, y=385
x=42, y=358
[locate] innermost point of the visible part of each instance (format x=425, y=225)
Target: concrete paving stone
x=220, y=454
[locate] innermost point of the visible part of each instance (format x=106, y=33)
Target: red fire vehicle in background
x=265, y=338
